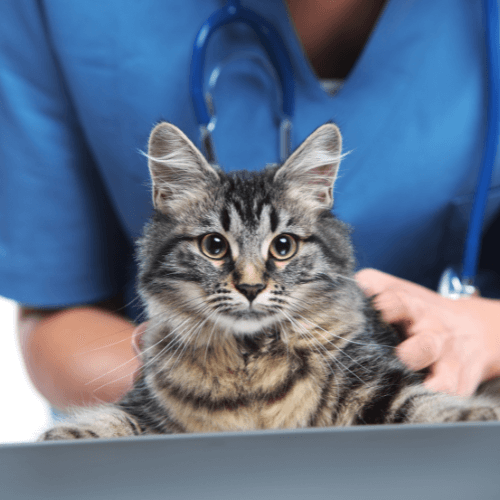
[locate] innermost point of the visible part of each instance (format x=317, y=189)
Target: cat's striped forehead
x=249, y=235
x=252, y=209
x=249, y=203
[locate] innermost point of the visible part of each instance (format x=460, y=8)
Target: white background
x=24, y=414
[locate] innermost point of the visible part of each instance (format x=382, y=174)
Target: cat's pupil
x=283, y=245
x=215, y=245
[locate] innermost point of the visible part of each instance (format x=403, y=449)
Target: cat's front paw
x=438, y=407
x=64, y=432
x=472, y=414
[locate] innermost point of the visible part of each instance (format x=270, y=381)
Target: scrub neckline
x=302, y=62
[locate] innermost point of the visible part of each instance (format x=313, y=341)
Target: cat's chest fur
x=243, y=383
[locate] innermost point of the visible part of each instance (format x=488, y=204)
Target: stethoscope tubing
x=474, y=230
x=270, y=39
x=275, y=48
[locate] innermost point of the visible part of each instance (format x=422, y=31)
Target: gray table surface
x=452, y=461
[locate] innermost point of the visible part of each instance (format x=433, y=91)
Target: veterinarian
x=81, y=85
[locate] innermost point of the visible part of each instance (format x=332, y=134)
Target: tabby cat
x=255, y=320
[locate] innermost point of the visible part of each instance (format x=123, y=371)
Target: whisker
x=133, y=359
x=148, y=363
x=119, y=366
x=180, y=337
x=186, y=341
x=339, y=276
x=340, y=349
x=129, y=339
x=328, y=354
x=312, y=323
x=151, y=319
x=210, y=338
x=313, y=343
x=286, y=339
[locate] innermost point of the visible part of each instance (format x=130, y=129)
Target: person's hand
x=137, y=338
x=458, y=339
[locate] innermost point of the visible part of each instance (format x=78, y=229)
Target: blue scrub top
x=83, y=83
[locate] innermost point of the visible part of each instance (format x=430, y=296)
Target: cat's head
x=242, y=251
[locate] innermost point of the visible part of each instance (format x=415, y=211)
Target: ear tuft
x=179, y=172
x=310, y=172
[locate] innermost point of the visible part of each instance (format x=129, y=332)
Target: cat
x=255, y=318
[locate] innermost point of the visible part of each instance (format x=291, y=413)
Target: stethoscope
x=452, y=284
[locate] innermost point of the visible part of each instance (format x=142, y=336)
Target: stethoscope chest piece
x=452, y=287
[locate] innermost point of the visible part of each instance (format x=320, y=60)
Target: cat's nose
x=250, y=291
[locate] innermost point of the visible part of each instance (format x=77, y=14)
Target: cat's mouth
x=248, y=314
x=248, y=321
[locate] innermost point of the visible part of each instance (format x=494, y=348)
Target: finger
x=398, y=307
x=444, y=377
x=421, y=350
x=137, y=337
x=470, y=377
x=373, y=282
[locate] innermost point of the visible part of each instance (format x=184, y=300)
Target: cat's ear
x=179, y=172
x=310, y=172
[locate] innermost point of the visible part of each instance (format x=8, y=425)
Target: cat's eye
x=283, y=247
x=214, y=246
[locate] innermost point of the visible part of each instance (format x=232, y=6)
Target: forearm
x=78, y=356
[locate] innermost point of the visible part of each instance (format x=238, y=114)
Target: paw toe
x=64, y=433
x=477, y=414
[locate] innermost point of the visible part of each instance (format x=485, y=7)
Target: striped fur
x=255, y=320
